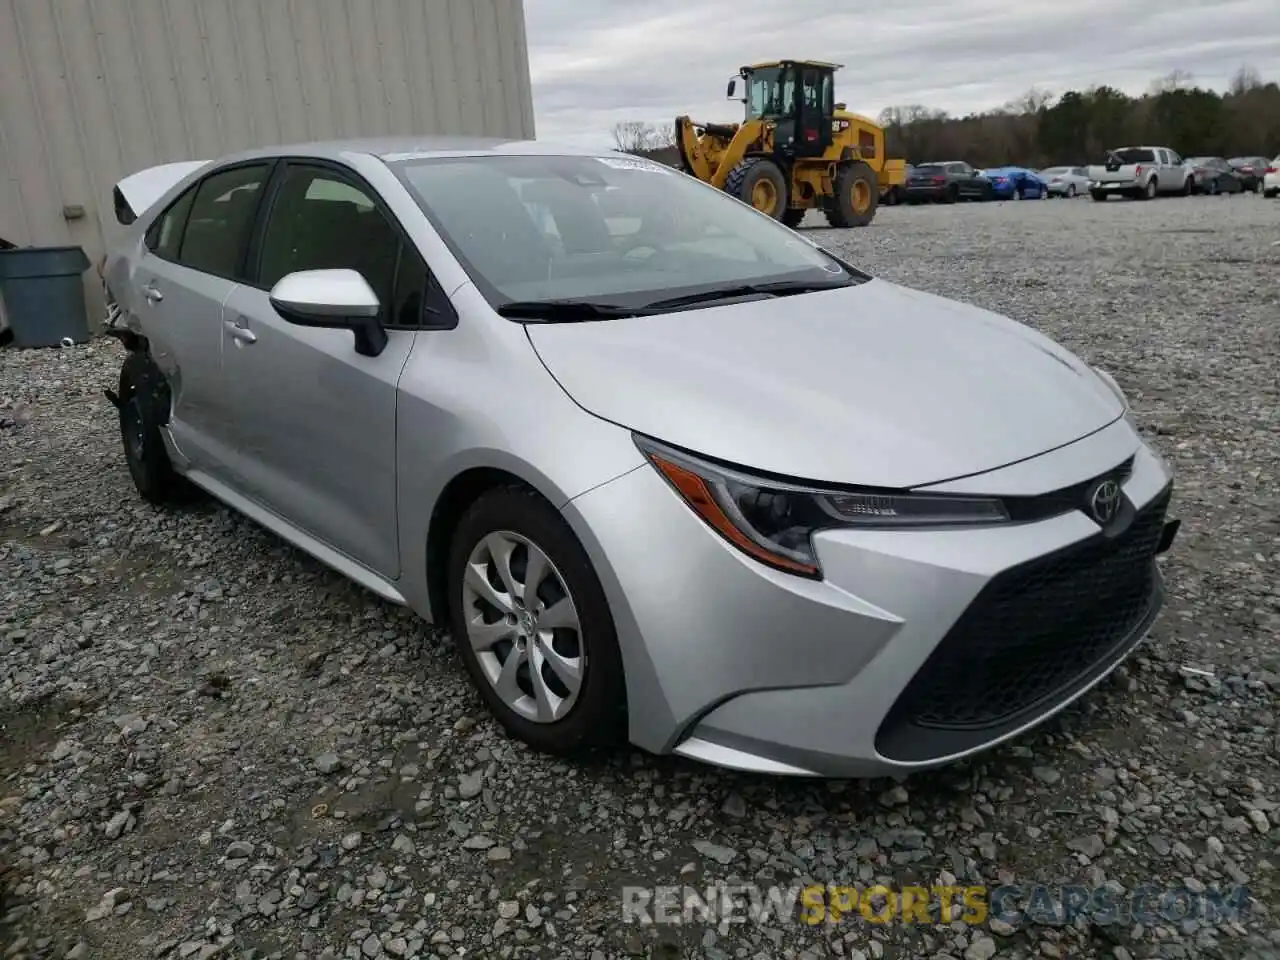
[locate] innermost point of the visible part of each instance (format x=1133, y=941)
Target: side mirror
x=333, y=299
x=731, y=91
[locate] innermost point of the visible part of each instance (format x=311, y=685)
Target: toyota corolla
x=669, y=471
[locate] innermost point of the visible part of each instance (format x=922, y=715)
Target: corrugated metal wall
x=92, y=90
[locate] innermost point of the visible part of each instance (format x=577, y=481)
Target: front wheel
x=759, y=182
x=1098, y=195
x=531, y=624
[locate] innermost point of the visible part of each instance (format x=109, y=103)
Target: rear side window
x=221, y=216
x=164, y=236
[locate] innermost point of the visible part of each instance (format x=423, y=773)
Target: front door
x=315, y=422
x=813, y=113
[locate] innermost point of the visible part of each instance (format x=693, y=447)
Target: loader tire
x=857, y=194
x=760, y=183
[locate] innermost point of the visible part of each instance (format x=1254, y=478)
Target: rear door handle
x=239, y=330
x=152, y=294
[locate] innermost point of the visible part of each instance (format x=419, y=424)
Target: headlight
x=774, y=521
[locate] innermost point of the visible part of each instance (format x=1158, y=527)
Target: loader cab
x=796, y=96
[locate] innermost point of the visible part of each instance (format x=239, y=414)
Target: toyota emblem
x=1104, y=502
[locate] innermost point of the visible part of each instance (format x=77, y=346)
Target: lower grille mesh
x=1036, y=629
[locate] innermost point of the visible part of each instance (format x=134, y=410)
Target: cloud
x=599, y=62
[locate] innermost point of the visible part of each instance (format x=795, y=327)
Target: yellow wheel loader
x=796, y=149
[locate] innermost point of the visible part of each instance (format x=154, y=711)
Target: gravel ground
x=213, y=746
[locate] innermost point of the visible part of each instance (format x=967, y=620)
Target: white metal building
x=92, y=90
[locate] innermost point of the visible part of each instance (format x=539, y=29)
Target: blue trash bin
x=44, y=295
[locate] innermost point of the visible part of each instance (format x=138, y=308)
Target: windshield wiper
x=778, y=288
x=566, y=311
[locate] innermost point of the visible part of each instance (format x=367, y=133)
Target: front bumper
x=917, y=648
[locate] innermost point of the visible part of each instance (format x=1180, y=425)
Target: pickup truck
x=1139, y=172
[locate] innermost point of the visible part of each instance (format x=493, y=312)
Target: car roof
x=390, y=149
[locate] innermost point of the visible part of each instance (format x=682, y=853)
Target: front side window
x=608, y=229
x=318, y=221
x=222, y=213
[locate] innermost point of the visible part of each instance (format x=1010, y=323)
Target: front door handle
x=239, y=330
x=152, y=294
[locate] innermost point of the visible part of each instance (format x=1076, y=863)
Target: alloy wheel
x=523, y=626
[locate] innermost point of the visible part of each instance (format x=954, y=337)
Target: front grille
x=1033, y=634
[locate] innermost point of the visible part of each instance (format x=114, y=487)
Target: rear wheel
x=857, y=194
x=759, y=182
x=144, y=406
x=1150, y=190
x=532, y=626
x=1071, y=191
x=952, y=195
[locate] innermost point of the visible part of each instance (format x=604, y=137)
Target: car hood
x=872, y=384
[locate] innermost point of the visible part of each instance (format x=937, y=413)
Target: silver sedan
x=668, y=471
x=1066, y=182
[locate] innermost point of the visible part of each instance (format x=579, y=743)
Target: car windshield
x=613, y=230
x=1134, y=155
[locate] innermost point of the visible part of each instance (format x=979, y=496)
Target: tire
x=952, y=195
x=1271, y=194
x=596, y=715
x=1151, y=190
x=1071, y=191
x=755, y=179
x=1213, y=188
x=1189, y=187
x=144, y=405
x=792, y=217
x=857, y=195
x=1098, y=195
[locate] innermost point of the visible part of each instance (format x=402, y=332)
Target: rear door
x=314, y=421
x=194, y=255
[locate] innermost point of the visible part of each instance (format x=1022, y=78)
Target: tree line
x=1040, y=130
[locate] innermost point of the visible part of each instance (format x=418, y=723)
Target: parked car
x=1139, y=172
x=1271, y=179
x=897, y=193
x=1016, y=183
x=946, y=182
x=1213, y=175
x=1067, y=182
x=559, y=442
x=1251, y=171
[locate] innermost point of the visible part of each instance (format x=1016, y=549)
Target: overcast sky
x=598, y=62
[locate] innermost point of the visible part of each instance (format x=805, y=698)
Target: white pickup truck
x=1139, y=172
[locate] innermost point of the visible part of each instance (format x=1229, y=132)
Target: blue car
x=1016, y=183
